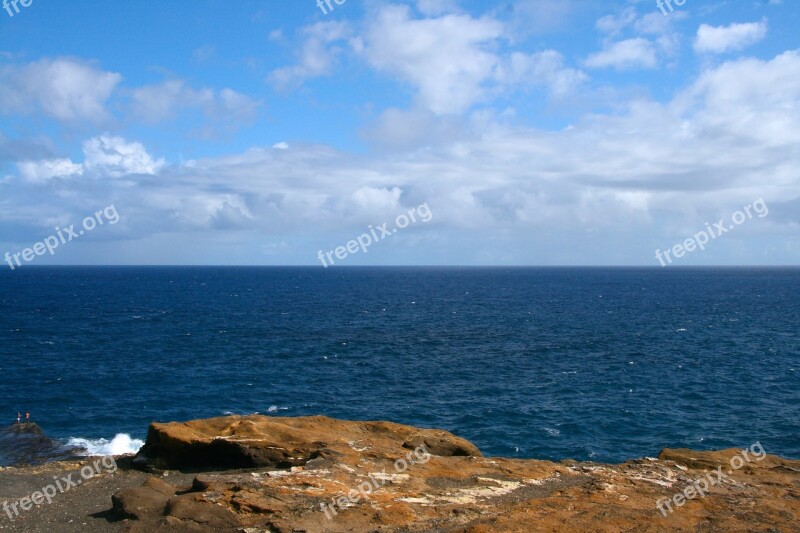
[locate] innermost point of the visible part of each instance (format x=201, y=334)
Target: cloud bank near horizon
x=528, y=150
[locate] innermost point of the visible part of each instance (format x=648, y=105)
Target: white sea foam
x=122, y=444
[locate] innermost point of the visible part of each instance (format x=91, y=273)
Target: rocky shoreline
x=316, y=474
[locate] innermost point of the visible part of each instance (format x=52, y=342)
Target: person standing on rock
x=19, y=418
x=27, y=418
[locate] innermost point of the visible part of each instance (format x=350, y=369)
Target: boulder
x=279, y=442
x=146, y=502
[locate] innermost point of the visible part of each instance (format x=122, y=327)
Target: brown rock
x=443, y=445
x=194, y=509
x=148, y=501
x=260, y=441
x=358, y=483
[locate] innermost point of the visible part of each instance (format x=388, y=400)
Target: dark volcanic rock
x=26, y=444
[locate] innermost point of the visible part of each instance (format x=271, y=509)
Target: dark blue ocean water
x=603, y=364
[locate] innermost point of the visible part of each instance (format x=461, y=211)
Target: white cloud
x=711, y=149
x=651, y=37
x=318, y=55
x=721, y=39
x=714, y=147
x=47, y=169
x=116, y=157
x=452, y=60
x=749, y=101
x=380, y=199
x=446, y=59
x=104, y=156
x=650, y=167
x=627, y=54
x=198, y=209
x=64, y=89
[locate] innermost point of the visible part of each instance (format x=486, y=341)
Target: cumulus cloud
x=749, y=101
x=104, y=156
x=453, y=63
x=202, y=209
x=710, y=149
x=116, y=157
x=446, y=59
x=650, y=168
x=64, y=89
x=681, y=163
x=651, y=38
x=501, y=193
x=451, y=59
x=721, y=39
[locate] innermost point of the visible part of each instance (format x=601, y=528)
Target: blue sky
x=539, y=132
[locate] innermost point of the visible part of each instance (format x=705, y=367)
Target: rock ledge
x=316, y=474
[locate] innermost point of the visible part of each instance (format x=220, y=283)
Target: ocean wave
x=121, y=444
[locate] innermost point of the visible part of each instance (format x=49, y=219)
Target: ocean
x=603, y=364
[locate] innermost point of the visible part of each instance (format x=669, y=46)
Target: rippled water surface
x=607, y=364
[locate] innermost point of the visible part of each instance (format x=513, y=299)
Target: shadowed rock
x=26, y=444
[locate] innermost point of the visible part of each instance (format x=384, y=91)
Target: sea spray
x=121, y=444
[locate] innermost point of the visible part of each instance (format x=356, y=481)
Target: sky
x=471, y=132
